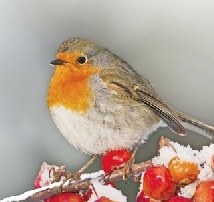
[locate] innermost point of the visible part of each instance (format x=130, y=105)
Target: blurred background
x=169, y=42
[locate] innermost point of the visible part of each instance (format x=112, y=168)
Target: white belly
x=93, y=137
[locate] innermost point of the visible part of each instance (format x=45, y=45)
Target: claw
x=70, y=177
x=127, y=167
x=57, y=174
x=61, y=174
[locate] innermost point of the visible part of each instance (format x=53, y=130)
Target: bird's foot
x=127, y=167
x=63, y=175
x=58, y=174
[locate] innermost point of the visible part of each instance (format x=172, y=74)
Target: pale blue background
x=169, y=42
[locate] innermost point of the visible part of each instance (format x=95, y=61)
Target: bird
x=99, y=102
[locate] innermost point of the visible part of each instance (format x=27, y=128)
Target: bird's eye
x=82, y=60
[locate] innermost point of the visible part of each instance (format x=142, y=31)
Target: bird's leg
x=82, y=170
x=76, y=176
x=70, y=177
x=127, y=165
x=62, y=172
x=57, y=173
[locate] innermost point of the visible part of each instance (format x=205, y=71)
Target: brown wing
x=141, y=91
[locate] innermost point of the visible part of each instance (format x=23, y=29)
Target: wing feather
x=124, y=84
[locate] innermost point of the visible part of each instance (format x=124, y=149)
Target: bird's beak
x=57, y=62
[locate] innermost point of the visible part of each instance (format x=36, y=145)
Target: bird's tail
x=195, y=125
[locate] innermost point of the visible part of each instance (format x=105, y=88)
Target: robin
x=100, y=103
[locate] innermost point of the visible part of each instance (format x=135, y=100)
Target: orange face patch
x=69, y=86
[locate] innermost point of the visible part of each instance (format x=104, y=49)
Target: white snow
x=207, y=152
x=166, y=154
x=206, y=173
x=92, y=175
x=107, y=191
x=30, y=193
x=189, y=190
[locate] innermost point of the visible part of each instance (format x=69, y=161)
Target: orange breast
x=70, y=88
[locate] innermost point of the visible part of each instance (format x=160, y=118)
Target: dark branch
x=48, y=191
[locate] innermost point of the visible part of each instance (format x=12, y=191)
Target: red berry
x=204, y=191
x=65, y=197
x=179, y=199
x=157, y=183
x=37, y=182
x=103, y=199
x=142, y=197
x=114, y=158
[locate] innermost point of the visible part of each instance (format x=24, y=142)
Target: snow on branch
x=57, y=188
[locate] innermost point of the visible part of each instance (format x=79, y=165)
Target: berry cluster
x=174, y=177
x=171, y=179
x=159, y=184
